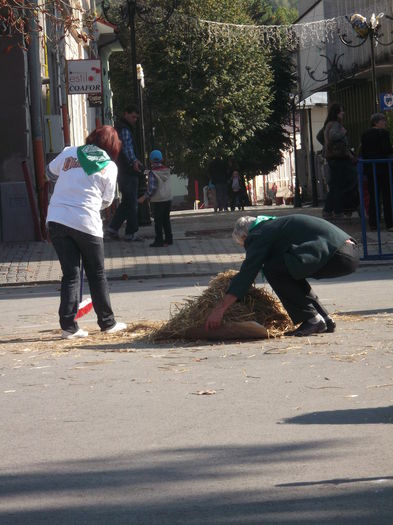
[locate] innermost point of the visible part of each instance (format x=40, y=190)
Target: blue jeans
x=128, y=207
x=70, y=246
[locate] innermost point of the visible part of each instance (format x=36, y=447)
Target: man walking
x=129, y=168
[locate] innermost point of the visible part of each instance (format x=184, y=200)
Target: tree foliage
x=206, y=98
x=265, y=150
x=210, y=99
x=55, y=18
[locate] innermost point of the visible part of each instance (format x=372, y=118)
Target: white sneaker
x=74, y=335
x=118, y=327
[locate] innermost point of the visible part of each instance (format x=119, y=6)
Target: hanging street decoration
x=302, y=35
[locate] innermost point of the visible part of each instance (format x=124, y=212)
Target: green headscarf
x=92, y=159
x=259, y=219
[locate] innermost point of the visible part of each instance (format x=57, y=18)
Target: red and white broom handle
x=81, y=281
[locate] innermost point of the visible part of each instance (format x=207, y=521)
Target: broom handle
x=81, y=281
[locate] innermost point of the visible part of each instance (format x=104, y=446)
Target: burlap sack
x=229, y=331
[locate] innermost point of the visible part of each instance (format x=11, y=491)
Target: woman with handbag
x=343, y=196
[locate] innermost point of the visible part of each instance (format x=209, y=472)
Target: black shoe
x=168, y=243
x=307, y=328
x=330, y=325
x=157, y=244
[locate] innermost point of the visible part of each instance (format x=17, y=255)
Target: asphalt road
x=293, y=431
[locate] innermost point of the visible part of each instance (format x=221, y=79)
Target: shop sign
x=84, y=77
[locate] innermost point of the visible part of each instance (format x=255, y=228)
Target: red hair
x=106, y=138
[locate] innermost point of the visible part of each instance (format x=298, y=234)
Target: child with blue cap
x=159, y=192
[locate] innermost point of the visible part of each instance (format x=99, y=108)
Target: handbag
x=335, y=149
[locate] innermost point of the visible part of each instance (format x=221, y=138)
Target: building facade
x=38, y=117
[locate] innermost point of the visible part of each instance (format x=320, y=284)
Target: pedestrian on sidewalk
x=159, y=193
x=238, y=191
x=289, y=250
x=343, y=195
x=375, y=144
x=218, y=175
x=129, y=168
x=85, y=182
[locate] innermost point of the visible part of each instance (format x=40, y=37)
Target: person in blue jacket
x=289, y=250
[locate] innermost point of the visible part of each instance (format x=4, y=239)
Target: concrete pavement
x=202, y=246
x=111, y=431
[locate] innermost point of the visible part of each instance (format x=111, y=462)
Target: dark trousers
x=237, y=200
x=343, y=195
x=161, y=211
x=222, y=195
x=384, y=194
x=70, y=246
x=296, y=295
x=128, y=207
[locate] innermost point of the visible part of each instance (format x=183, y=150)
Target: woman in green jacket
x=289, y=250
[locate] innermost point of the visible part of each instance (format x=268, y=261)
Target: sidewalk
x=202, y=246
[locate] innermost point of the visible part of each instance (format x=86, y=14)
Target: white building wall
x=283, y=177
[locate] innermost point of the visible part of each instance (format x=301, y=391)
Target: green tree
x=207, y=97
x=212, y=97
x=263, y=152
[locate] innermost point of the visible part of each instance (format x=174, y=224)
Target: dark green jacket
x=304, y=243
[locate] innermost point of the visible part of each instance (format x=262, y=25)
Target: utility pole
x=35, y=119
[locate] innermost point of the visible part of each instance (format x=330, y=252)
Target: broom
x=86, y=305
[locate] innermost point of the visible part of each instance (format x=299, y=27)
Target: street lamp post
x=314, y=187
x=131, y=9
x=297, y=203
x=141, y=85
x=368, y=30
x=125, y=15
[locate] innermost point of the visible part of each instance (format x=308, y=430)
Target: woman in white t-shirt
x=85, y=179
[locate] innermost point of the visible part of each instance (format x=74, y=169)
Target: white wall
x=179, y=186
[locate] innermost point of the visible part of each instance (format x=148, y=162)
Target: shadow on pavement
x=337, y=481
x=377, y=311
x=357, y=416
x=226, y=485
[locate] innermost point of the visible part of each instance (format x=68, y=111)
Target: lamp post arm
x=373, y=74
x=348, y=42
x=384, y=43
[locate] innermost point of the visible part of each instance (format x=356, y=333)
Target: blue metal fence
x=362, y=179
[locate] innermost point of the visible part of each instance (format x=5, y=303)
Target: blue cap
x=156, y=156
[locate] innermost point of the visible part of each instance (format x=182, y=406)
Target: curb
x=362, y=264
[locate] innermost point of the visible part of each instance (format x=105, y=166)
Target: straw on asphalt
x=257, y=305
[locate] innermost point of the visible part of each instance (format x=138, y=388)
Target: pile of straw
x=257, y=305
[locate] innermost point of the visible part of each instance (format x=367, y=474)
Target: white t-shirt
x=78, y=198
